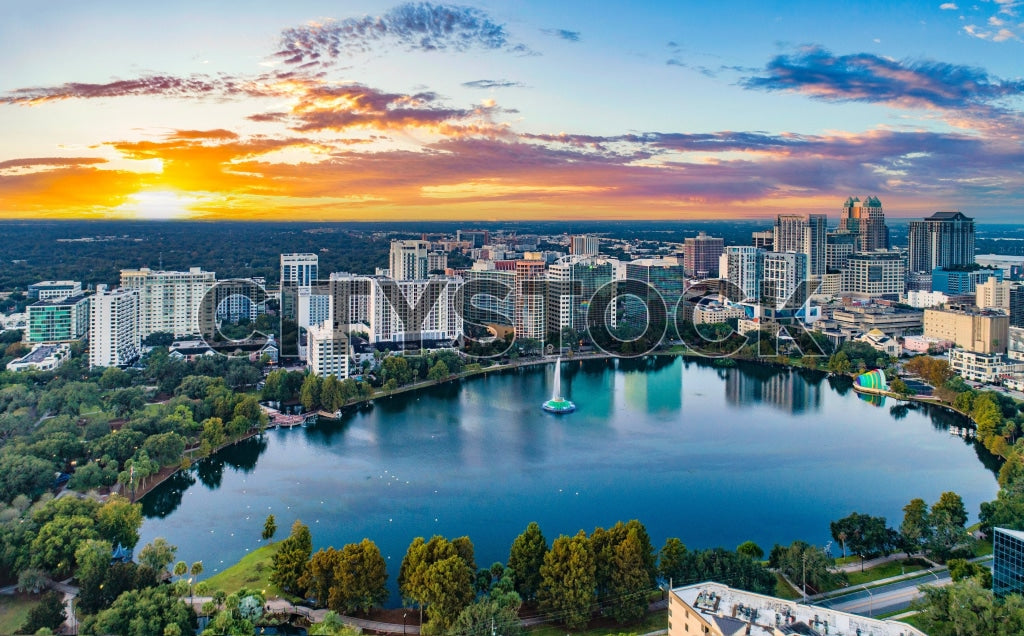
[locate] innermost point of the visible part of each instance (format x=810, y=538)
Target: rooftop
x=59, y=302
x=40, y=353
x=56, y=283
x=728, y=607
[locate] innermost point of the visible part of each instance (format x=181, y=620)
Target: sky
x=516, y=110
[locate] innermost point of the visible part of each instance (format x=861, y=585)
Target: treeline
x=610, y=572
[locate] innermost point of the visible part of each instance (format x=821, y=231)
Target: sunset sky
x=348, y=110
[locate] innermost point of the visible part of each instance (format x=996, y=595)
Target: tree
x=751, y=550
x=916, y=527
x=319, y=578
x=32, y=581
x=309, y=394
x=269, y=528
x=568, y=580
x=180, y=569
x=960, y=569
x=141, y=613
x=54, y=547
x=486, y=618
x=807, y=564
x=526, y=558
x=670, y=560
x=864, y=535
x=965, y=607
x=419, y=584
x=900, y=387
x=839, y=362
x=290, y=561
x=93, y=560
x=119, y=520
x=331, y=397
x=631, y=580
x=438, y=372
x=448, y=590
x=157, y=554
x=49, y=614
x=948, y=518
x=361, y=578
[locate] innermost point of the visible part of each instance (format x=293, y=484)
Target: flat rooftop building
x=719, y=610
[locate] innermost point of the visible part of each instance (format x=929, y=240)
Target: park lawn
x=982, y=547
x=785, y=590
x=913, y=619
x=881, y=571
x=653, y=622
x=14, y=609
x=252, y=571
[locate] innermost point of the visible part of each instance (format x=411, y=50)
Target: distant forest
x=31, y=251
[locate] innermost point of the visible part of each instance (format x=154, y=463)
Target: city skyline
x=389, y=111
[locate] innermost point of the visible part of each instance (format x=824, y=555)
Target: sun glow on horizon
x=154, y=205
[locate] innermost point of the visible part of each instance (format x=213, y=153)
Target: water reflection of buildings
x=786, y=390
x=651, y=392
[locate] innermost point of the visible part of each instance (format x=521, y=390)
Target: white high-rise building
x=168, y=301
x=742, y=266
x=114, y=339
x=440, y=321
x=584, y=245
x=327, y=350
x=409, y=260
x=782, y=273
x=299, y=269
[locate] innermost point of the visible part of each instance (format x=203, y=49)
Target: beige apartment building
x=978, y=330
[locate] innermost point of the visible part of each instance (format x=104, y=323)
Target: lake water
x=714, y=456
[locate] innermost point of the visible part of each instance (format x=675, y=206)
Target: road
x=884, y=598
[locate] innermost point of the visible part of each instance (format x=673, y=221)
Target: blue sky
x=360, y=110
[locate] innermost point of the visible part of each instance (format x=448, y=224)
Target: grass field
x=253, y=572
x=651, y=623
x=881, y=571
x=14, y=610
x=785, y=590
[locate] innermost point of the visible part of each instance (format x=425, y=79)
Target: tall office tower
x=168, y=301
x=944, y=239
x=839, y=246
x=662, y=282
x=781, y=274
x=572, y=283
x=789, y=233
x=475, y=238
x=700, y=255
x=409, y=260
x=584, y=245
x=114, y=339
x=764, y=239
x=299, y=269
x=867, y=221
x=794, y=233
x=1017, y=306
x=814, y=244
x=741, y=266
x=877, y=274
x=530, y=298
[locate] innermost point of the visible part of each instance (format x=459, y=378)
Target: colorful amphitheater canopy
x=873, y=380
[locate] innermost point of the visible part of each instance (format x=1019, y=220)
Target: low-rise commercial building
x=989, y=368
x=44, y=357
x=54, y=289
x=891, y=321
x=980, y=330
x=882, y=343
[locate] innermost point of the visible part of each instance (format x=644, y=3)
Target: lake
x=714, y=456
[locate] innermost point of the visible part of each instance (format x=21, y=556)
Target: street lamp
x=404, y=614
x=871, y=611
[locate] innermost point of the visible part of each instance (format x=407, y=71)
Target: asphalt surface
x=884, y=598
